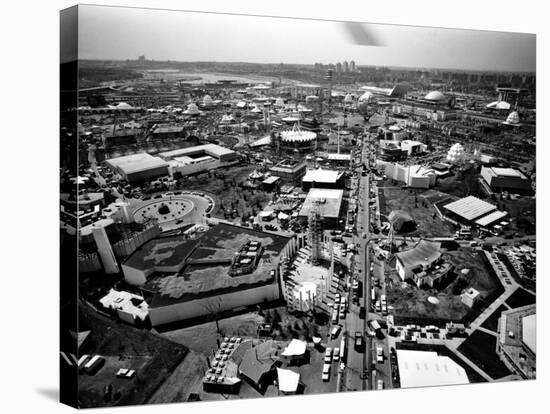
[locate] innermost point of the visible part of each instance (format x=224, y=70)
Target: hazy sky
x=122, y=33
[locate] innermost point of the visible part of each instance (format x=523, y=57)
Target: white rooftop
x=137, y=162
x=123, y=301
x=210, y=149
x=470, y=207
x=426, y=369
x=295, y=348
x=529, y=332
x=288, y=380
x=491, y=218
x=322, y=176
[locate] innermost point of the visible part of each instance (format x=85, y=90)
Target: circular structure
x=433, y=300
x=165, y=210
x=297, y=139
x=435, y=96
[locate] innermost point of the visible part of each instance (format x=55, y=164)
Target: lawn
x=480, y=348
x=521, y=298
x=185, y=379
x=419, y=205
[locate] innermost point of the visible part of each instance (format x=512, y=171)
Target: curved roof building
x=435, y=96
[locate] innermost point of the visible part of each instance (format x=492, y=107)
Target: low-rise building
x=138, y=167
x=517, y=340
x=505, y=179
x=421, y=258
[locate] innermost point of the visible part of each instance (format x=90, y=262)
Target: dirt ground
x=410, y=302
x=422, y=210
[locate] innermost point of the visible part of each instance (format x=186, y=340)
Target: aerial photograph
x=264, y=207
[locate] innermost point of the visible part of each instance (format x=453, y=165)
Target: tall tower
x=105, y=250
x=315, y=233
x=329, y=78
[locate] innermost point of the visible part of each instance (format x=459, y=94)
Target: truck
x=375, y=325
x=379, y=354
x=326, y=372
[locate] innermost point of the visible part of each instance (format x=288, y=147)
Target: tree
x=214, y=309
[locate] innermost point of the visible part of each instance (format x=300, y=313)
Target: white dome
x=367, y=96
x=348, y=98
x=513, y=118
x=434, y=96
x=123, y=105
x=192, y=109
x=456, y=154
x=207, y=100
x=498, y=105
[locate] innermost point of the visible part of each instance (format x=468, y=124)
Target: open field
x=124, y=346
x=422, y=210
x=480, y=348
x=411, y=304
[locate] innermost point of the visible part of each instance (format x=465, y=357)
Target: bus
x=343, y=349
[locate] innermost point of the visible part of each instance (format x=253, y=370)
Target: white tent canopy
x=295, y=348
x=288, y=380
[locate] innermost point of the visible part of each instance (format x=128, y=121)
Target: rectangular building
x=138, y=167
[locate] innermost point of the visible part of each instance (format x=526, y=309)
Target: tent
x=288, y=380
x=401, y=221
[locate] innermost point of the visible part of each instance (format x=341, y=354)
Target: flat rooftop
x=428, y=369
x=129, y=164
x=491, y=218
x=322, y=176
x=206, y=270
x=504, y=172
x=470, y=208
x=328, y=201
x=210, y=149
x=161, y=252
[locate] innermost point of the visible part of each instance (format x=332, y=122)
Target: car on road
x=335, y=331
x=326, y=372
x=328, y=355
x=336, y=355
x=359, y=342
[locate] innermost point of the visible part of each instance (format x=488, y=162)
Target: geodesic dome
x=456, y=154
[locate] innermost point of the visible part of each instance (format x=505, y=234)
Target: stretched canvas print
x=255, y=207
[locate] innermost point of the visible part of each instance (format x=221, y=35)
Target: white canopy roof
x=288, y=380
x=294, y=348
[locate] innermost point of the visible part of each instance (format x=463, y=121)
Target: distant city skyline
x=125, y=33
